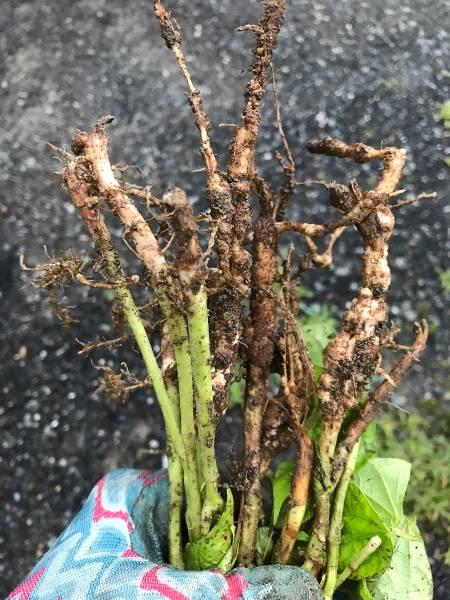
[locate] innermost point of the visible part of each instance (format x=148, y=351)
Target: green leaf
x=227, y=562
x=384, y=482
x=444, y=113
x=237, y=390
x=424, y=442
x=303, y=292
x=361, y=523
x=213, y=550
x=237, y=387
x=367, y=445
x=303, y=537
x=264, y=544
x=444, y=276
x=408, y=576
x=274, y=381
x=313, y=423
x=318, y=326
x=281, y=487
x=309, y=510
x=109, y=295
x=447, y=558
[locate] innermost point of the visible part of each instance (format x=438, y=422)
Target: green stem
x=374, y=544
x=131, y=313
x=180, y=340
x=184, y=443
x=334, y=536
x=323, y=488
x=251, y=508
x=112, y=268
x=202, y=377
x=180, y=441
x=175, y=491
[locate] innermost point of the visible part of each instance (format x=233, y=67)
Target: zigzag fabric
x=114, y=548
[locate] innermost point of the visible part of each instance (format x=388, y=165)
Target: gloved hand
x=113, y=550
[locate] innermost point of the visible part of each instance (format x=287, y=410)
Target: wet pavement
x=374, y=72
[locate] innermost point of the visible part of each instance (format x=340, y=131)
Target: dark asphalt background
x=372, y=71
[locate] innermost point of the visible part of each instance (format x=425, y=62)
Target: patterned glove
x=113, y=550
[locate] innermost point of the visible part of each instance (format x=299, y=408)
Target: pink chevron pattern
x=150, y=582
x=130, y=553
x=154, y=478
x=236, y=587
x=100, y=512
x=24, y=590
